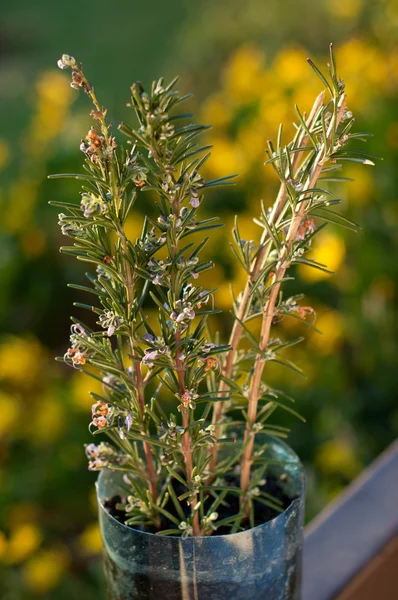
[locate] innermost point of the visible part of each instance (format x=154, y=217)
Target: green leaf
x=320, y=75
x=177, y=476
x=74, y=176
x=84, y=288
x=169, y=532
x=336, y=218
x=288, y=409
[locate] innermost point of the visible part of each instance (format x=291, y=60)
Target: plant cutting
x=199, y=496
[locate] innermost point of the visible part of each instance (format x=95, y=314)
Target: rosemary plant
x=176, y=476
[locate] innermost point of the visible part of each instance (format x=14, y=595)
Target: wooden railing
x=351, y=548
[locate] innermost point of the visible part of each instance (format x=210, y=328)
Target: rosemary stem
x=269, y=309
x=244, y=306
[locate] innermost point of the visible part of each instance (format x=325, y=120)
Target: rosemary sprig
x=173, y=468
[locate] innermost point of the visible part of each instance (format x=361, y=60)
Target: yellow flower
x=223, y=296
x=44, y=571
x=21, y=360
x=243, y=73
x=48, y=420
x=338, y=457
x=366, y=72
x=133, y=228
x=54, y=98
x=226, y=158
x=252, y=142
x=24, y=540
x=9, y=411
x=216, y=111
x=349, y=9
x=331, y=324
x=329, y=250
x=90, y=539
x=291, y=67
x=3, y=545
x=22, y=197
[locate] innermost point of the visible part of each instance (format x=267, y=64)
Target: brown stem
x=269, y=309
x=138, y=375
x=187, y=450
x=147, y=447
x=244, y=305
x=129, y=281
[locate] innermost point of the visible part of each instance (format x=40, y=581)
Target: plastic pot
x=261, y=563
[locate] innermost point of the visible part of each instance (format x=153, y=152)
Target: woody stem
x=140, y=388
x=244, y=305
x=186, y=444
x=269, y=308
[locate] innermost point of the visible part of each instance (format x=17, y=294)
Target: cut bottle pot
x=260, y=563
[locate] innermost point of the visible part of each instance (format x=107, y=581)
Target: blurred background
x=245, y=63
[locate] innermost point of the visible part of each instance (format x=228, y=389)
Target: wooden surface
x=351, y=545
x=378, y=580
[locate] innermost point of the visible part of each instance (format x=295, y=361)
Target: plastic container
x=263, y=563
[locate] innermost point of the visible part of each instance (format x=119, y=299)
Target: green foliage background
x=245, y=62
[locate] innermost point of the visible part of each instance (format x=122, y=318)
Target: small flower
x=166, y=131
x=78, y=329
x=211, y=363
x=76, y=356
x=208, y=347
x=92, y=204
x=150, y=356
x=208, y=522
x=108, y=320
x=128, y=421
x=194, y=201
x=257, y=427
x=66, y=61
x=172, y=430
x=140, y=178
x=187, y=400
x=94, y=140
x=303, y=311
x=69, y=227
x=100, y=422
x=182, y=314
x=186, y=529
x=100, y=409
x=77, y=80
x=104, y=456
x=98, y=114
x=148, y=338
x=124, y=424
x=306, y=227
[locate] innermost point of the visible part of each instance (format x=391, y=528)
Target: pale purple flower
x=128, y=421
x=194, y=201
x=150, y=356
x=148, y=338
